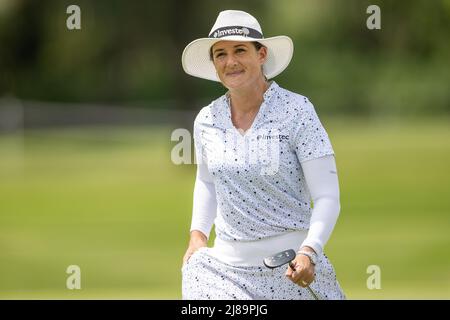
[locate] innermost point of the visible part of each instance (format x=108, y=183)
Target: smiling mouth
x=235, y=73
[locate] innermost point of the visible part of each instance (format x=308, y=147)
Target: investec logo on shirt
x=280, y=137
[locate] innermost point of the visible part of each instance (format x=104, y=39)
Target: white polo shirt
x=260, y=189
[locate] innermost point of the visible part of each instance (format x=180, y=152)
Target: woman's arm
x=323, y=184
x=205, y=204
x=204, y=209
x=321, y=178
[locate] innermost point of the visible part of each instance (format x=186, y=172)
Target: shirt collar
x=273, y=87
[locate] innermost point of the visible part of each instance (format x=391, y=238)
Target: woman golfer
x=262, y=156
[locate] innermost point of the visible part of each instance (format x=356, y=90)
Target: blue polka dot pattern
x=205, y=277
x=260, y=186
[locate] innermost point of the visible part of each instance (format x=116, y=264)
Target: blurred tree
x=21, y=36
x=129, y=52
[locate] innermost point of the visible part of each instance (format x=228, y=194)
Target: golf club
x=281, y=258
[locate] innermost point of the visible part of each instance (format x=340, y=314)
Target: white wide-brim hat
x=234, y=25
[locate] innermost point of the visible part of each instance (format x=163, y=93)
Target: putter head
x=279, y=259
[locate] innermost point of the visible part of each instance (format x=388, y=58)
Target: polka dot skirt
x=206, y=278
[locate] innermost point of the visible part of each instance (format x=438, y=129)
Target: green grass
x=110, y=201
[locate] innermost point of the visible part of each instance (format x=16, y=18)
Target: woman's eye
x=219, y=55
x=240, y=50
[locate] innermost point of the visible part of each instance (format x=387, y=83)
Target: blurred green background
x=86, y=117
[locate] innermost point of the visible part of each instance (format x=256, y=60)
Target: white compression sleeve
x=204, y=208
x=322, y=180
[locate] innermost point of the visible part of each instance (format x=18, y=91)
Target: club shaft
x=312, y=293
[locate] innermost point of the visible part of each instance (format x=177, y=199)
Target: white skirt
x=235, y=270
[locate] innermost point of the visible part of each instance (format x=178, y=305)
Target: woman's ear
x=262, y=54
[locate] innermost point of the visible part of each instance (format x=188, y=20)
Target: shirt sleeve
x=322, y=181
x=310, y=138
x=204, y=208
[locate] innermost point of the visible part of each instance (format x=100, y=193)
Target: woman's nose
x=231, y=60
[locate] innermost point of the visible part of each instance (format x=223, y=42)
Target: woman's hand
x=197, y=241
x=301, y=271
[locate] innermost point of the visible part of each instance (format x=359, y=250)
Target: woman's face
x=238, y=64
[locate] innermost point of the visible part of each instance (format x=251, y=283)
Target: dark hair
x=257, y=45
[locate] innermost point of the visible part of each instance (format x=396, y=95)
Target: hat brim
x=196, y=60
